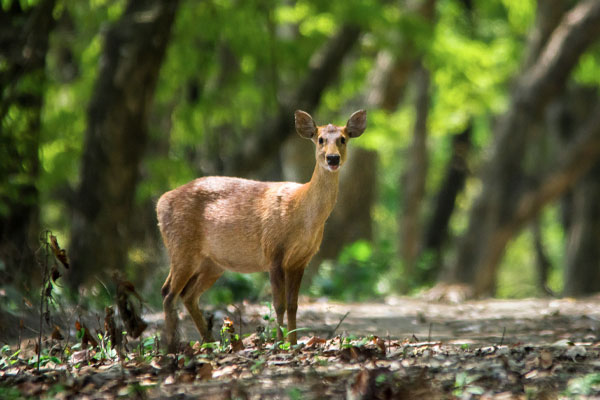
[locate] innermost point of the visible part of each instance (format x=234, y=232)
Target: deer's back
x=225, y=219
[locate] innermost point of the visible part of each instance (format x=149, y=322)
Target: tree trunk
x=24, y=37
x=578, y=158
x=134, y=49
x=582, y=206
x=415, y=177
x=496, y=212
x=542, y=261
x=582, y=272
x=436, y=231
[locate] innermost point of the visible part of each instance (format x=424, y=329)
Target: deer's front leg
x=292, y=287
x=278, y=288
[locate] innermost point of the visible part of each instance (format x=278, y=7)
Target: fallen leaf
x=576, y=351
x=225, y=371
x=380, y=343
x=315, y=340
x=204, y=372
x=358, y=388
x=545, y=359
x=56, y=334
x=87, y=338
x=80, y=356
x=236, y=344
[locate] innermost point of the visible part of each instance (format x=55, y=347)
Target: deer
x=216, y=224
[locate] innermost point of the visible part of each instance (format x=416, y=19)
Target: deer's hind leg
x=180, y=274
x=204, y=277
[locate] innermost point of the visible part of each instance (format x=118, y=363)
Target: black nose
x=333, y=159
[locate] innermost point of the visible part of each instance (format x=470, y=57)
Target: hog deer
x=214, y=224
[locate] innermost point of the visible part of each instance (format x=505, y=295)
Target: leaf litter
x=254, y=366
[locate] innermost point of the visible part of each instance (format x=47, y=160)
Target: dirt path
x=526, y=321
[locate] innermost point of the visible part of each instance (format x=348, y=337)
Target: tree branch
x=578, y=29
x=578, y=158
x=323, y=70
x=484, y=242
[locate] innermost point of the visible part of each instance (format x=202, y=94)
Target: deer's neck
x=319, y=195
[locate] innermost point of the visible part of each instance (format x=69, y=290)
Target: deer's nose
x=333, y=159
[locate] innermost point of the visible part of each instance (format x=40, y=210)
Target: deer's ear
x=305, y=126
x=357, y=124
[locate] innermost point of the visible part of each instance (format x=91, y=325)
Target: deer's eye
x=343, y=140
x=320, y=140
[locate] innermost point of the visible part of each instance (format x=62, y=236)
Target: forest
x=476, y=184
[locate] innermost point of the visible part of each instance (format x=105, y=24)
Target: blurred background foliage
x=231, y=66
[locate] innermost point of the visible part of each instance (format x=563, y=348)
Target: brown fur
x=215, y=224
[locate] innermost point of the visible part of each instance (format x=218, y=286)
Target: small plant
x=9, y=393
x=464, y=384
x=229, y=338
x=258, y=365
x=43, y=358
x=105, y=349
x=8, y=358
x=585, y=386
x=323, y=362
x=295, y=394
x=148, y=347
x=352, y=341
x=270, y=331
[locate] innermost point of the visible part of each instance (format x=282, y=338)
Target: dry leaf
x=54, y=274
x=360, y=385
x=204, y=372
x=236, y=344
x=130, y=313
x=59, y=253
x=113, y=332
x=56, y=334
x=313, y=341
x=545, y=359
x=227, y=325
x=80, y=356
x=380, y=343
x=576, y=351
x=87, y=338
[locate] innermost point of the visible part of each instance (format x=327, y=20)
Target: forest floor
x=403, y=348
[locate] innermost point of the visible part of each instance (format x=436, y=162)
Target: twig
x=503, y=332
x=21, y=325
x=68, y=325
x=239, y=317
x=389, y=340
x=42, y=297
x=337, y=326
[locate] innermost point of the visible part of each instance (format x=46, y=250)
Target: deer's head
x=330, y=140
